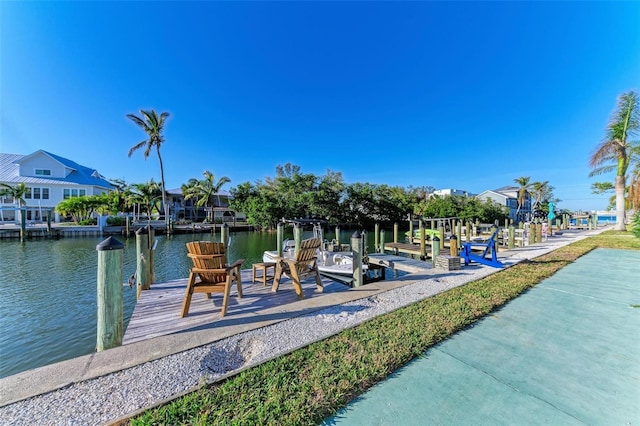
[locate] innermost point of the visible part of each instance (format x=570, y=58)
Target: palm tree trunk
x=620, y=184
x=164, y=192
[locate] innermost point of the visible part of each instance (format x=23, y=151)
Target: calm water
x=48, y=307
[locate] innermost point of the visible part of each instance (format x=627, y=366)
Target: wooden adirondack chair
x=210, y=273
x=303, y=266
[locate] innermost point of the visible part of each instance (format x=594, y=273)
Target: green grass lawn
x=310, y=384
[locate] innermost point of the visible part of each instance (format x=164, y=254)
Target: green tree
x=152, y=125
x=616, y=150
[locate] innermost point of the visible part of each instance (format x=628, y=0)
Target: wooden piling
x=224, y=239
x=382, y=241
x=297, y=236
x=23, y=225
x=109, y=294
x=143, y=264
x=280, y=237
x=423, y=244
x=376, y=238
x=395, y=232
x=338, y=235
x=356, y=248
x=435, y=250
x=512, y=237
x=453, y=245
x=441, y=233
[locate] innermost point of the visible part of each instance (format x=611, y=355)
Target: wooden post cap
x=110, y=244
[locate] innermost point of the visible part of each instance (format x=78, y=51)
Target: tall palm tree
x=615, y=151
x=152, y=125
x=523, y=190
x=208, y=188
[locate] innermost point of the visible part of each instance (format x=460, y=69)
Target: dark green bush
x=116, y=221
x=635, y=224
x=86, y=222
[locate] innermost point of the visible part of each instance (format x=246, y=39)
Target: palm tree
x=147, y=195
x=189, y=191
x=615, y=151
x=539, y=191
x=207, y=189
x=525, y=186
x=152, y=124
x=16, y=192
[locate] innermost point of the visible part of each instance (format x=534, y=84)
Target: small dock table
x=264, y=267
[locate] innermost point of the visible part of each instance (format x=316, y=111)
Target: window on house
x=27, y=194
x=36, y=193
x=43, y=172
x=73, y=192
x=45, y=193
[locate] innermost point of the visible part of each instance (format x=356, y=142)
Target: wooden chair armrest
x=235, y=264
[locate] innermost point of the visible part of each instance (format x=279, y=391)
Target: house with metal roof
x=49, y=179
x=508, y=196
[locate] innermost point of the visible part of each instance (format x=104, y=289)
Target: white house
x=449, y=191
x=508, y=196
x=49, y=179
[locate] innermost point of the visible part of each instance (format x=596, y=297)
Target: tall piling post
x=49, y=224
x=512, y=237
x=395, y=232
x=453, y=246
x=356, y=247
x=338, y=236
x=109, y=292
x=297, y=236
x=441, y=234
x=376, y=237
x=435, y=250
x=23, y=225
x=280, y=237
x=411, y=229
x=423, y=244
x=143, y=261
x=382, y=241
x=224, y=239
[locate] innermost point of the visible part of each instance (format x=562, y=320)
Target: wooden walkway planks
x=157, y=312
x=400, y=263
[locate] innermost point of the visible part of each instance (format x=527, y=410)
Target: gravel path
x=107, y=398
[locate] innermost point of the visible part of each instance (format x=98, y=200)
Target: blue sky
x=464, y=95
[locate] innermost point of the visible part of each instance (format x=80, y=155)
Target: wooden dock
x=157, y=312
x=400, y=263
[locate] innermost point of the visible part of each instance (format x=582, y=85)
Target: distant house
x=49, y=179
x=508, y=196
x=187, y=210
x=449, y=191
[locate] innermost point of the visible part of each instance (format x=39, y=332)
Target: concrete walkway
x=566, y=352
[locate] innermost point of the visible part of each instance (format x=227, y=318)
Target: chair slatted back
x=208, y=255
x=305, y=261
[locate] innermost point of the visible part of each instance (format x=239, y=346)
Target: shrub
x=635, y=224
x=85, y=222
x=116, y=221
